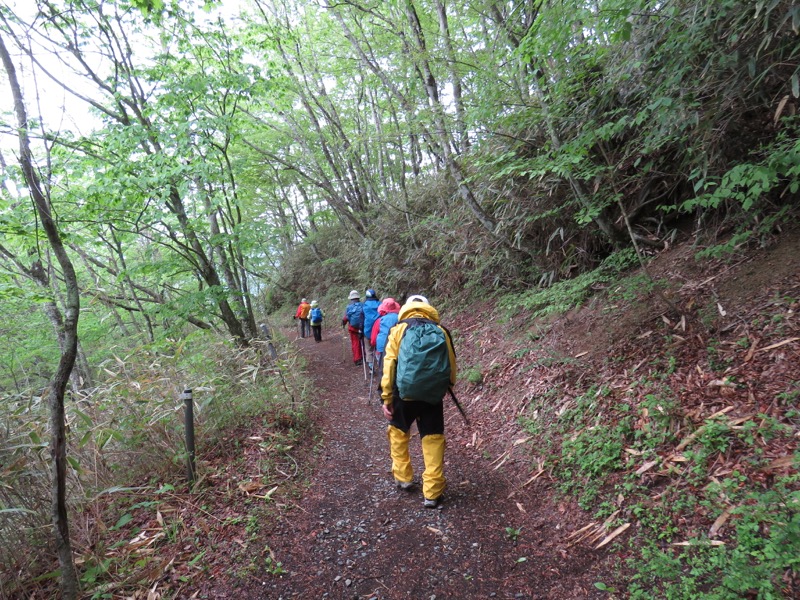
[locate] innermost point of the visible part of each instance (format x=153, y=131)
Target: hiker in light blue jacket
x=315, y=316
x=380, y=332
x=371, y=304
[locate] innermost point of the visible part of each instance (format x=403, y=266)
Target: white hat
x=354, y=295
x=417, y=298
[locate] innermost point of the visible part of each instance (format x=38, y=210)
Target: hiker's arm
x=390, y=364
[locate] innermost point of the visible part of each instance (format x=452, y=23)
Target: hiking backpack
x=371, y=315
x=355, y=315
x=423, y=362
x=316, y=315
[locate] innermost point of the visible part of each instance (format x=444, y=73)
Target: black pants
x=317, y=329
x=429, y=417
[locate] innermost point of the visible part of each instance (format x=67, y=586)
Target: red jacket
x=376, y=327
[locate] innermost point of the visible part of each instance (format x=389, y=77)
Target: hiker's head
x=389, y=305
x=418, y=306
x=314, y=304
x=371, y=293
x=354, y=295
x=303, y=300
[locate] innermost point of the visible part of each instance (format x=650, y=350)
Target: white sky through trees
x=59, y=109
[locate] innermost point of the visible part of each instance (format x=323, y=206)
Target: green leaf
x=123, y=520
x=624, y=34
x=84, y=417
x=114, y=489
x=85, y=439
x=8, y=511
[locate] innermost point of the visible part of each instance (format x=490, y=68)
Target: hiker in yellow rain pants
x=419, y=351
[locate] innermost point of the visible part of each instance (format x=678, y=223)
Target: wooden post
x=188, y=422
x=265, y=331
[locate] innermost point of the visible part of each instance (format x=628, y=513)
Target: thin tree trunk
x=206, y=269
x=455, y=80
x=58, y=442
x=117, y=246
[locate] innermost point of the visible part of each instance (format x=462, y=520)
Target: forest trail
x=354, y=535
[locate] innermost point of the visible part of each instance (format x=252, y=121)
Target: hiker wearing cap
x=371, y=304
x=419, y=365
x=302, y=313
x=388, y=311
x=315, y=317
x=354, y=319
x=380, y=331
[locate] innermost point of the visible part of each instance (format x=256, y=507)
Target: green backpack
x=423, y=362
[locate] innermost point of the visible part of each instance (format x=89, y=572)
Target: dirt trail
x=356, y=536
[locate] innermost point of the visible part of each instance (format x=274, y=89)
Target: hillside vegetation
x=520, y=163
x=675, y=436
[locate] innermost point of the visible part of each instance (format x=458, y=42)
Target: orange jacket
x=303, y=310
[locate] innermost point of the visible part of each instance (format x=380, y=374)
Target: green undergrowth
x=563, y=296
x=713, y=501
x=127, y=456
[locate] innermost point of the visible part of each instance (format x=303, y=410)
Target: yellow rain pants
x=398, y=449
x=433, y=481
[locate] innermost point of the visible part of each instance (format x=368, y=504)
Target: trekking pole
x=371, y=379
x=363, y=356
x=458, y=405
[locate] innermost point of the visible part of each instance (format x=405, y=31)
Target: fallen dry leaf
x=534, y=478
x=698, y=543
x=248, y=487
x=646, y=467
x=612, y=535
x=780, y=463
x=720, y=521
x=779, y=344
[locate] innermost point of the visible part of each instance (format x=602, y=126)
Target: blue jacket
x=388, y=321
x=370, y=313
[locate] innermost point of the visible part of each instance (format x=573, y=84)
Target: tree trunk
x=206, y=269
x=455, y=80
x=58, y=442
